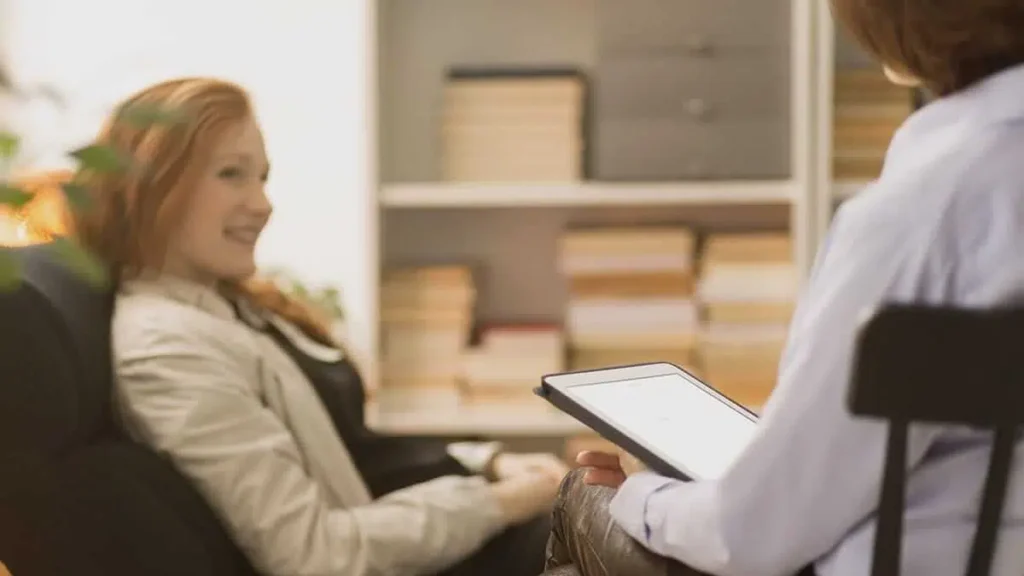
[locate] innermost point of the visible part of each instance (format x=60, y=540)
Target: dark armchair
x=77, y=496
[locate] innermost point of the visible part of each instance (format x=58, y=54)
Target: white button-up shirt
x=944, y=225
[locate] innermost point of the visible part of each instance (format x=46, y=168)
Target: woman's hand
x=526, y=496
x=507, y=466
x=608, y=469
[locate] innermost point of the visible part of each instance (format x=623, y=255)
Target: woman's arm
x=188, y=398
x=813, y=471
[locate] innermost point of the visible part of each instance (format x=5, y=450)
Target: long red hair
x=132, y=212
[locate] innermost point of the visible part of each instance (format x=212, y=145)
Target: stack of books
x=631, y=296
x=427, y=315
x=868, y=110
x=512, y=127
x=508, y=363
x=748, y=287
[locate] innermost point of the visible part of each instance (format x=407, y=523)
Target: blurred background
x=499, y=189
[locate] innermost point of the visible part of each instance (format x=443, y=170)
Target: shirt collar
x=996, y=99
x=206, y=298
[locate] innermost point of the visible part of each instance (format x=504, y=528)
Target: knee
x=570, y=489
x=576, y=499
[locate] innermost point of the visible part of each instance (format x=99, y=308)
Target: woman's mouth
x=247, y=236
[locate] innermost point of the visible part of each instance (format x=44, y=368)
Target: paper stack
x=868, y=110
x=748, y=286
x=427, y=314
x=631, y=296
x=509, y=128
x=509, y=361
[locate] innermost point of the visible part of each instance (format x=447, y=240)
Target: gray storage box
x=697, y=26
x=703, y=89
x=659, y=149
x=691, y=89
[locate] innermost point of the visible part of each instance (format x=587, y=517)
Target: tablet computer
x=666, y=417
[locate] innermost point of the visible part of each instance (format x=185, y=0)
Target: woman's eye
x=229, y=173
x=264, y=177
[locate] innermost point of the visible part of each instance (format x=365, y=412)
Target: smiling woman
x=243, y=388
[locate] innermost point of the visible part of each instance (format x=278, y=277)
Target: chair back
x=949, y=366
x=77, y=496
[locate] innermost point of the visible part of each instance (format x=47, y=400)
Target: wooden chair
x=939, y=365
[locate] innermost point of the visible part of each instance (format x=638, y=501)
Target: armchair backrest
x=77, y=496
x=940, y=365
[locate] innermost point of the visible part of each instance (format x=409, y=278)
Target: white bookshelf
x=511, y=228
x=835, y=52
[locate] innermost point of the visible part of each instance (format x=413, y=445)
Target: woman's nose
x=260, y=203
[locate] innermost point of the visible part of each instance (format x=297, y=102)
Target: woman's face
x=228, y=210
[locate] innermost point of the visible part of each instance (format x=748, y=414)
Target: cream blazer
x=236, y=415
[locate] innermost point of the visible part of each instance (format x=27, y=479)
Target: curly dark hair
x=947, y=44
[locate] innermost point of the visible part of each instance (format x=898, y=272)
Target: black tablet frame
x=650, y=458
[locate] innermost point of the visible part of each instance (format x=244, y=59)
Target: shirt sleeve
x=812, y=470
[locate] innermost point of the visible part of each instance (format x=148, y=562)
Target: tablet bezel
x=554, y=389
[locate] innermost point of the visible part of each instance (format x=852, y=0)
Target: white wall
x=306, y=65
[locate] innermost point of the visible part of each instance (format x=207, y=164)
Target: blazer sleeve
x=189, y=397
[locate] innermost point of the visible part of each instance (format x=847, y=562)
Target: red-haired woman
x=245, y=391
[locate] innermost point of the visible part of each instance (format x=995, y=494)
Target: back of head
x=947, y=45
x=133, y=213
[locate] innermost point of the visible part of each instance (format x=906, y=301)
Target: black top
x=386, y=463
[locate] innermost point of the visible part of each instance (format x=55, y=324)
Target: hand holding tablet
x=608, y=469
x=666, y=417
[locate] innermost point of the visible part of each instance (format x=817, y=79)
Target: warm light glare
x=14, y=231
x=42, y=218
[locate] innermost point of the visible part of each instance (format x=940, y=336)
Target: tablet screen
x=674, y=417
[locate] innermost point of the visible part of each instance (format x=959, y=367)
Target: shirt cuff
x=629, y=506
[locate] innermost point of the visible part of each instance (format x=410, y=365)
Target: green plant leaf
x=9, y=145
x=144, y=116
x=13, y=196
x=102, y=159
x=80, y=261
x=10, y=271
x=77, y=196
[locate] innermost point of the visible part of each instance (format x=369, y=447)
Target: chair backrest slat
x=940, y=365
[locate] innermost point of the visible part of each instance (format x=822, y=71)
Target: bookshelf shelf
x=466, y=420
x=502, y=422
x=528, y=195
